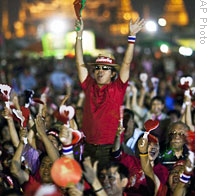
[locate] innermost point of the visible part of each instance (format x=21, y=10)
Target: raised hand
x=136, y=26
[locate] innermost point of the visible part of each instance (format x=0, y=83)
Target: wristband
x=79, y=38
x=99, y=190
x=184, y=178
x=143, y=154
x=131, y=39
x=67, y=149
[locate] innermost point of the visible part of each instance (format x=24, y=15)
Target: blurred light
x=186, y=42
x=164, y=48
x=162, y=22
x=57, y=26
x=185, y=51
x=120, y=49
x=127, y=16
x=151, y=26
x=3, y=62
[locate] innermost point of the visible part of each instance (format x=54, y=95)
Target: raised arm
x=7, y=114
x=145, y=162
x=90, y=173
x=134, y=28
x=81, y=67
x=117, y=144
x=52, y=152
x=15, y=168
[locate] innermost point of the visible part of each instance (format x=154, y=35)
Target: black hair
x=56, y=131
x=121, y=168
x=158, y=98
x=174, y=111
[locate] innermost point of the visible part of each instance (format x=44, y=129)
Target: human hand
x=6, y=113
x=136, y=26
x=90, y=170
x=120, y=130
x=40, y=124
x=65, y=135
x=73, y=190
x=79, y=26
x=143, y=145
x=23, y=134
x=190, y=162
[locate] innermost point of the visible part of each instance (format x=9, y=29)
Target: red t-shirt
x=102, y=110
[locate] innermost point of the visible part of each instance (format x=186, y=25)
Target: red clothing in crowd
x=136, y=175
x=34, y=183
x=102, y=110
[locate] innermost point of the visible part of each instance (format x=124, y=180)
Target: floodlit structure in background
x=175, y=14
x=54, y=20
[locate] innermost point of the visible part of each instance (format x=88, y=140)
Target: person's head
x=104, y=69
x=174, y=115
x=177, y=134
x=157, y=105
x=153, y=147
x=114, y=178
x=174, y=175
x=53, y=135
x=45, y=169
x=128, y=123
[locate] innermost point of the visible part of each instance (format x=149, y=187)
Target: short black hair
x=158, y=98
x=121, y=168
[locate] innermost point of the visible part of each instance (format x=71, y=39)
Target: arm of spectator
x=81, y=99
x=15, y=168
x=90, y=173
x=65, y=136
x=134, y=96
x=141, y=97
x=7, y=114
x=117, y=143
x=15, y=101
x=134, y=28
x=186, y=115
x=52, y=152
x=127, y=97
x=184, y=180
x=145, y=162
x=81, y=68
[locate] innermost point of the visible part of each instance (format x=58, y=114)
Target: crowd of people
x=127, y=119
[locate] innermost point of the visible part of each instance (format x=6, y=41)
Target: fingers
x=79, y=24
x=95, y=165
x=141, y=143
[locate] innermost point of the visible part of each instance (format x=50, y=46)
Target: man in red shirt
x=104, y=94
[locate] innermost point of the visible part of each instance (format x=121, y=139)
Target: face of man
x=103, y=74
x=153, y=150
x=157, y=107
x=44, y=170
x=177, y=135
x=111, y=181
